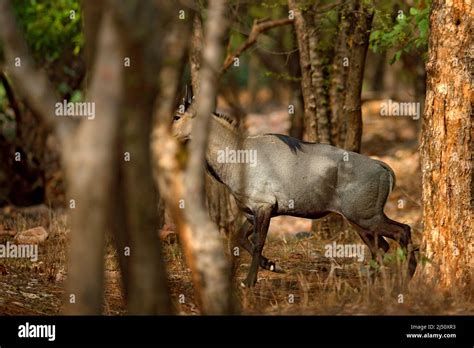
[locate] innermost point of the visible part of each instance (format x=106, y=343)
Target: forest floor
x=313, y=283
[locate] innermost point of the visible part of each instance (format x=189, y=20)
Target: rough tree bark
x=359, y=43
x=338, y=80
x=447, y=147
x=319, y=58
x=302, y=35
x=297, y=120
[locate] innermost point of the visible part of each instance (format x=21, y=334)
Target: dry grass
x=313, y=284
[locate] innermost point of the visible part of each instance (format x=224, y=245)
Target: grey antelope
x=297, y=178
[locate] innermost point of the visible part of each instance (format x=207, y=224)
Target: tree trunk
x=447, y=147
x=297, y=122
x=338, y=79
x=148, y=291
x=352, y=104
x=89, y=151
x=92, y=166
x=319, y=57
x=218, y=197
x=212, y=267
x=167, y=170
x=346, y=85
x=302, y=35
x=195, y=53
x=202, y=245
x=314, y=60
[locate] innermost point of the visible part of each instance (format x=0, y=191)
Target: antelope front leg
x=241, y=239
x=262, y=222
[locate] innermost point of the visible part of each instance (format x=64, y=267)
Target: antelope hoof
x=276, y=268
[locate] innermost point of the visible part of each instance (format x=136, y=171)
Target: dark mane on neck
x=232, y=122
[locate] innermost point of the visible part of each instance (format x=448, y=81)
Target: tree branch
x=257, y=29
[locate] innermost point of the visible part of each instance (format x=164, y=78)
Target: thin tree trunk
x=319, y=74
x=297, y=122
x=355, y=76
x=218, y=197
x=201, y=243
x=302, y=35
x=447, y=147
x=339, y=71
x=167, y=168
x=212, y=266
x=195, y=53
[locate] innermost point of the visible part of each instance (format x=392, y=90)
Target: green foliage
x=2, y=102
x=50, y=27
x=76, y=96
x=408, y=33
x=399, y=256
x=374, y=264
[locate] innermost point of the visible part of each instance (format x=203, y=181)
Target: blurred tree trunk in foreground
x=143, y=46
x=211, y=264
x=90, y=157
x=182, y=180
x=218, y=197
x=448, y=139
